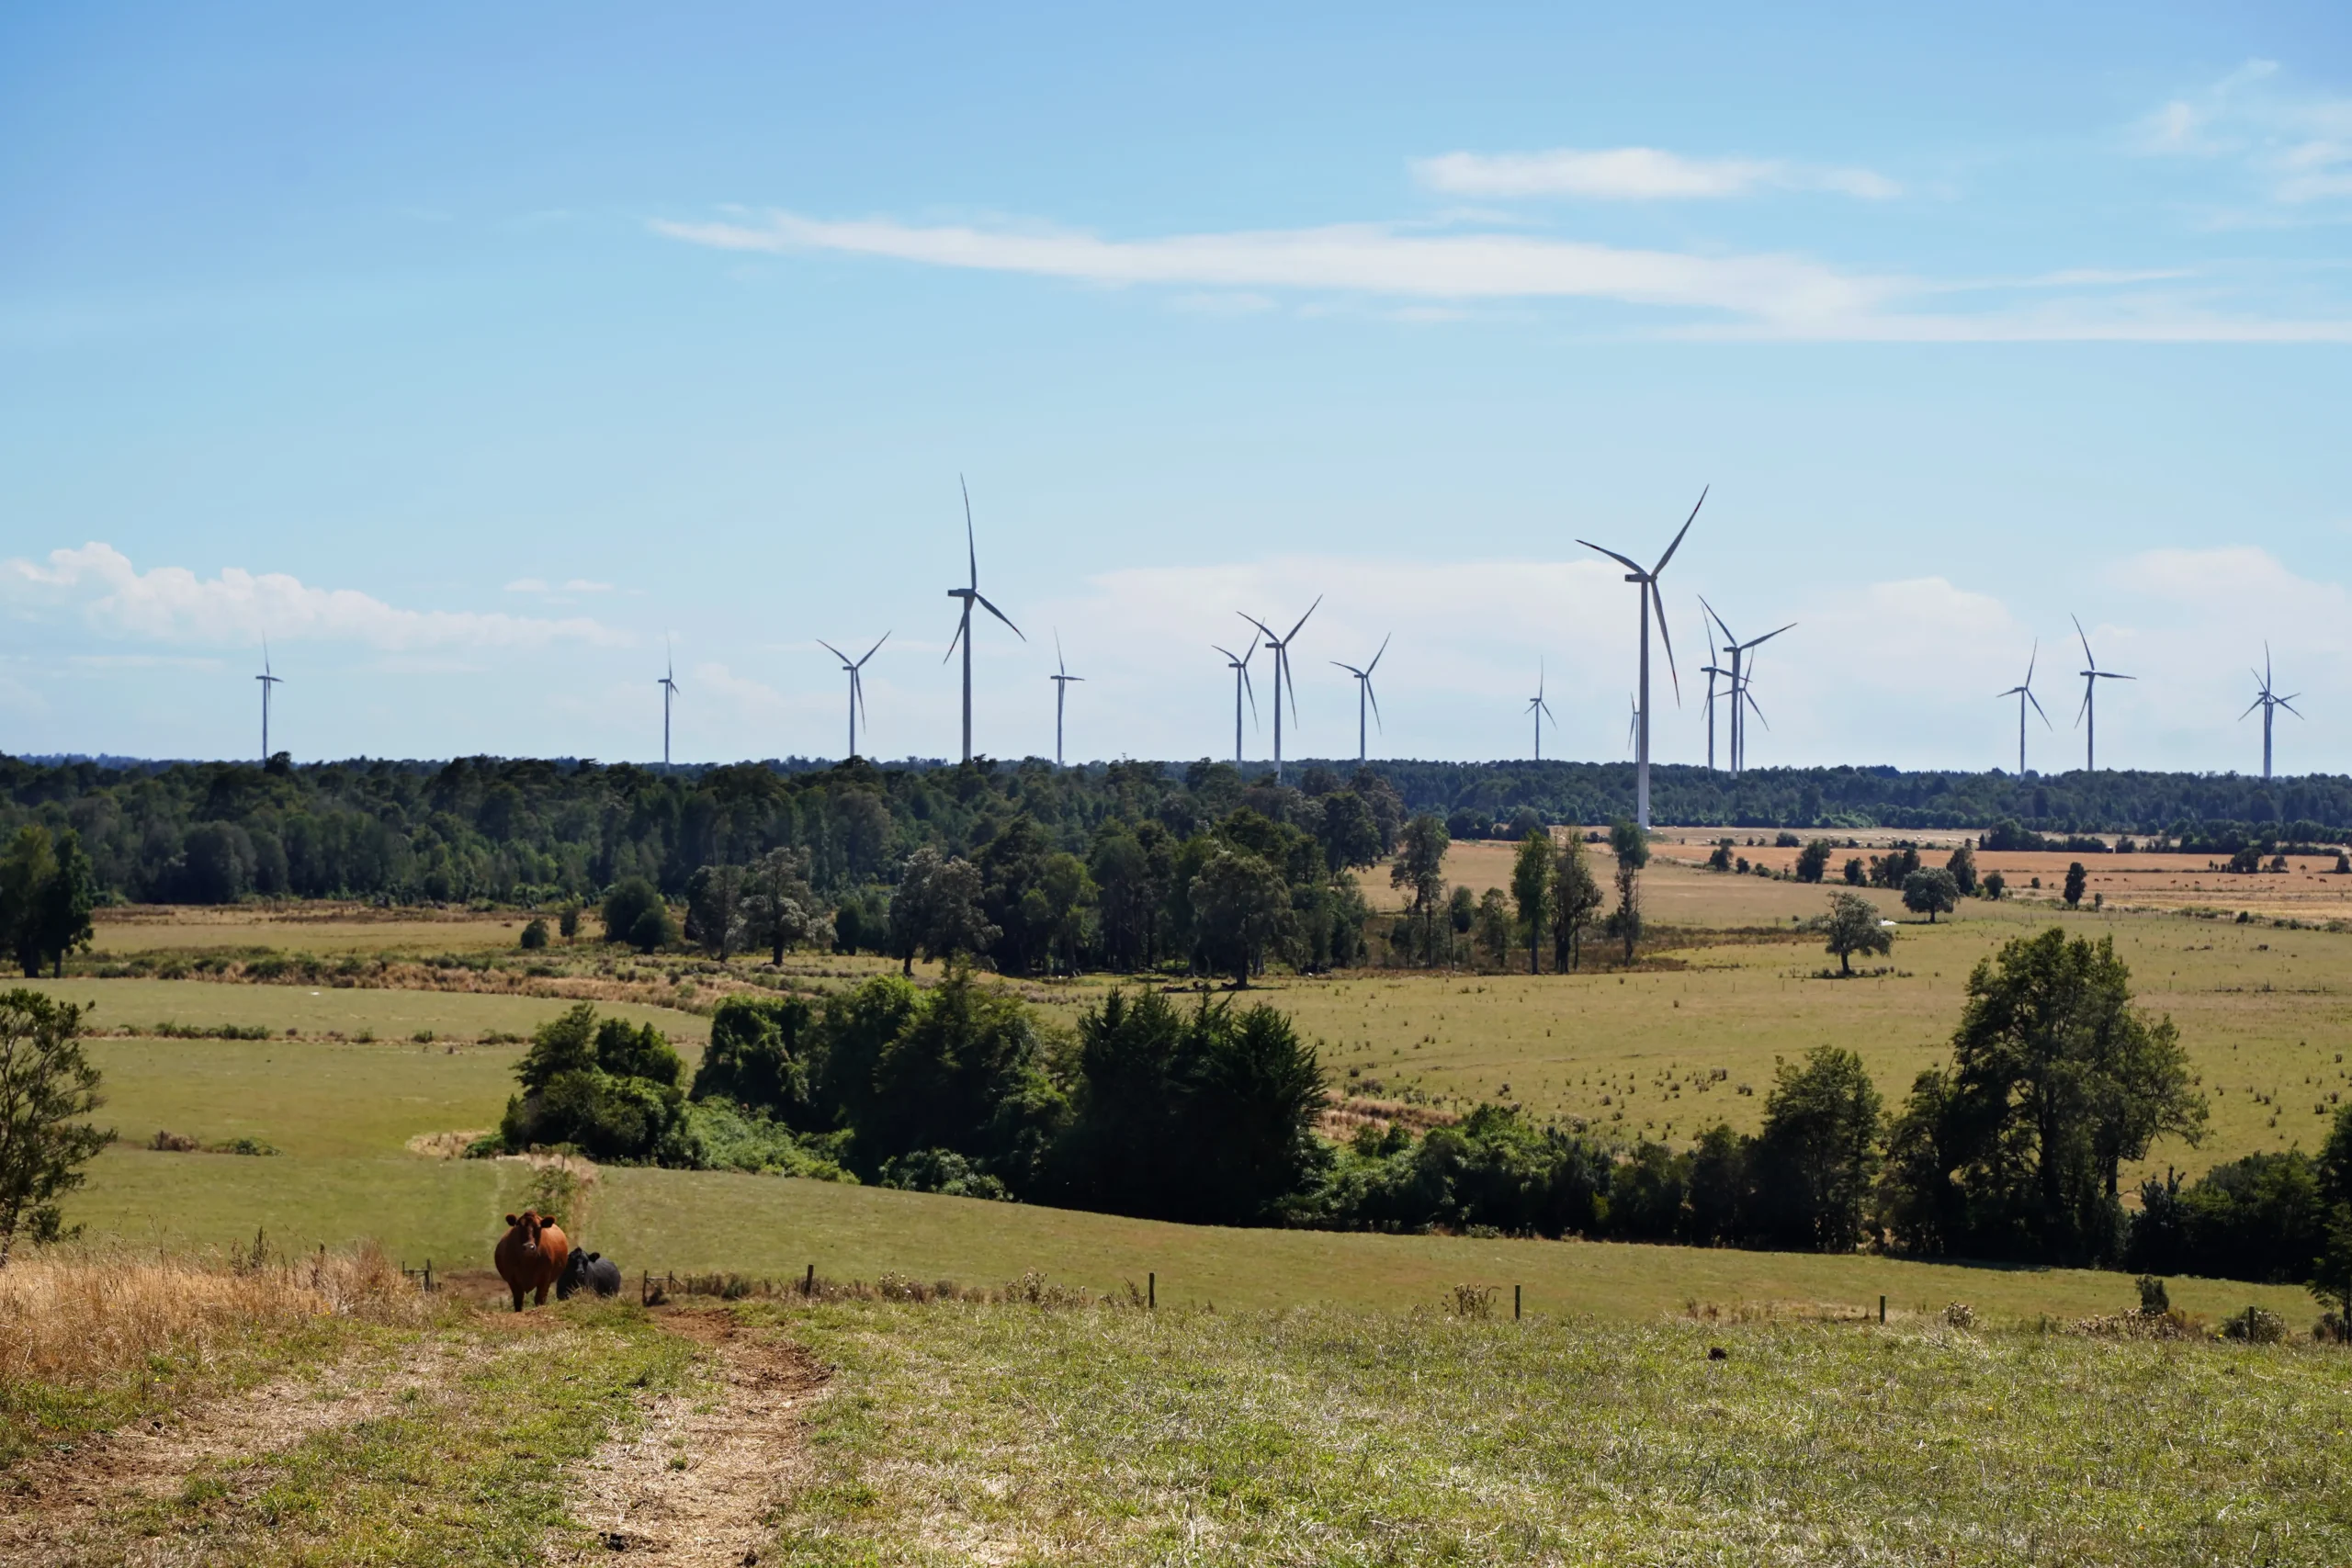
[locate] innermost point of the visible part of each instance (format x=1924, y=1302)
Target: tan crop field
x=322, y=926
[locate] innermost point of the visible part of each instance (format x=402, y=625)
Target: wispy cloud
x=1637, y=173
x=172, y=604
x=2297, y=145
x=541, y=585
x=1761, y=296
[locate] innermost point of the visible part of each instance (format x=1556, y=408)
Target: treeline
x=1206, y=1113
x=531, y=831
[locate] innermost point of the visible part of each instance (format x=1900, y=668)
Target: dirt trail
x=56, y=1510
x=696, y=1485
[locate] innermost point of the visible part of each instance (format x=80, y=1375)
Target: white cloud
x=2299, y=146
x=172, y=604
x=541, y=585
x=1635, y=174
x=1781, y=297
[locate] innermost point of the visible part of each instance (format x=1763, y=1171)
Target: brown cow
x=531, y=1255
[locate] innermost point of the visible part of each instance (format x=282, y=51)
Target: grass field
x=997, y=1435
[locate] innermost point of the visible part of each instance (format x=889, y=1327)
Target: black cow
x=589, y=1270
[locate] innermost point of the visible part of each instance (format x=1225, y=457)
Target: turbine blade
x=1349, y=668
x=836, y=652
x=2038, y=708
x=2289, y=704
x=2249, y=708
x=1376, y=705
x=1001, y=615
x=1755, y=708
x=1251, y=691
x=1059, y=662
x=1302, y=620
x=2029, y=660
x=1678, y=537
x=1257, y=622
x=971, y=548
x=1633, y=566
x=2085, y=640
x=1664, y=635
x=1227, y=653
x=877, y=645
x=1384, y=649
x=963, y=630
x=1768, y=637
x=1545, y=709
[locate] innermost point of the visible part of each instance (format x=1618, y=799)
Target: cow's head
x=530, y=1221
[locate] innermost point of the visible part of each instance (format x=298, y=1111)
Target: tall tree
x=1530, y=890
x=1576, y=902
x=1419, y=868
x=1631, y=848
x=62, y=906
x=714, y=910
x=779, y=908
x=1242, y=906
x=25, y=871
x=2076, y=880
x=1817, y=1156
x=47, y=1089
x=1930, y=892
x=936, y=909
x=1852, y=927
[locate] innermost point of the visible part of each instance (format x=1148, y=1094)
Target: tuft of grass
x=961, y=1433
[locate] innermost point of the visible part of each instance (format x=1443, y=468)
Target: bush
x=535, y=936
x=631, y=899
x=943, y=1171
x=2256, y=1326
x=653, y=930
x=755, y=1056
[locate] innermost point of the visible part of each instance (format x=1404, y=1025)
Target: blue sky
x=468, y=358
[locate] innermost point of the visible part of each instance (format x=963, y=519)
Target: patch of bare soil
x=56, y=1509
x=699, y=1483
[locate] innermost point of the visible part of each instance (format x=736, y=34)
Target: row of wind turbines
x=1737, y=677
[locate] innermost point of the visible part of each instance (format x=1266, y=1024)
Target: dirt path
x=698, y=1485
x=57, y=1510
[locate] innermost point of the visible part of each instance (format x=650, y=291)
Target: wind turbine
x=1240, y=668
x=1633, y=721
x=1541, y=709
x=1364, y=691
x=1646, y=585
x=1061, y=689
x=971, y=596
x=857, y=682
x=2088, y=714
x=668, y=689
x=1280, y=645
x=2023, y=692
x=2268, y=701
x=268, y=680
x=1742, y=700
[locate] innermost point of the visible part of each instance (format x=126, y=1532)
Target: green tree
x=1818, y=1158
x=2076, y=880
x=936, y=909
x=1241, y=906
x=1962, y=866
x=47, y=1089
x=1631, y=848
x=1576, y=902
x=778, y=907
x=1530, y=891
x=1856, y=875
x=634, y=912
x=1813, y=860
x=1493, y=926
x=1995, y=885
x=1069, y=896
x=25, y=871
x=1349, y=832
x=1419, y=868
x=714, y=909
x=1930, y=892
x=1852, y=927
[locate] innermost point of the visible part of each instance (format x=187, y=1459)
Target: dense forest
x=533, y=830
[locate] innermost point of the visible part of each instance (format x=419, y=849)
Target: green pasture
x=324, y=1009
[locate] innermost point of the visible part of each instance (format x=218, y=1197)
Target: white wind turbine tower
x=1539, y=710
x=1240, y=668
x=971, y=596
x=668, y=689
x=1061, y=689
x=1364, y=691
x=2088, y=714
x=268, y=681
x=1646, y=585
x=1280, y=645
x=2268, y=702
x=2023, y=692
x=855, y=669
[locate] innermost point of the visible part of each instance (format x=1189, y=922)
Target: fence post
x=428, y=1275
x=1514, y=1303
x=809, y=1284
x=1881, y=1312
x=1151, y=1290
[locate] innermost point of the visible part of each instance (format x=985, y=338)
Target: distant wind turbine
x=268, y=681
x=2088, y=714
x=1633, y=721
x=668, y=689
x=1743, y=701
x=1280, y=645
x=1646, y=585
x=1240, y=668
x=1539, y=709
x=1061, y=689
x=971, y=596
x=1365, y=692
x=2265, y=699
x=854, y=668
x=2023, y=692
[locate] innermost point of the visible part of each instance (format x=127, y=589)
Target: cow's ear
x=594, y=1256
x=513, y=1221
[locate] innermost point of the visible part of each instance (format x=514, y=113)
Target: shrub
x=944, y=1171
x=2256, y=1325
x=628, y=901
x=535, y=936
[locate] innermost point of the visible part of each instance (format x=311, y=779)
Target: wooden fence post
x=809, y=1284
x=1151, y=1290
x=1514, y=1303
x=1881, y=1312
